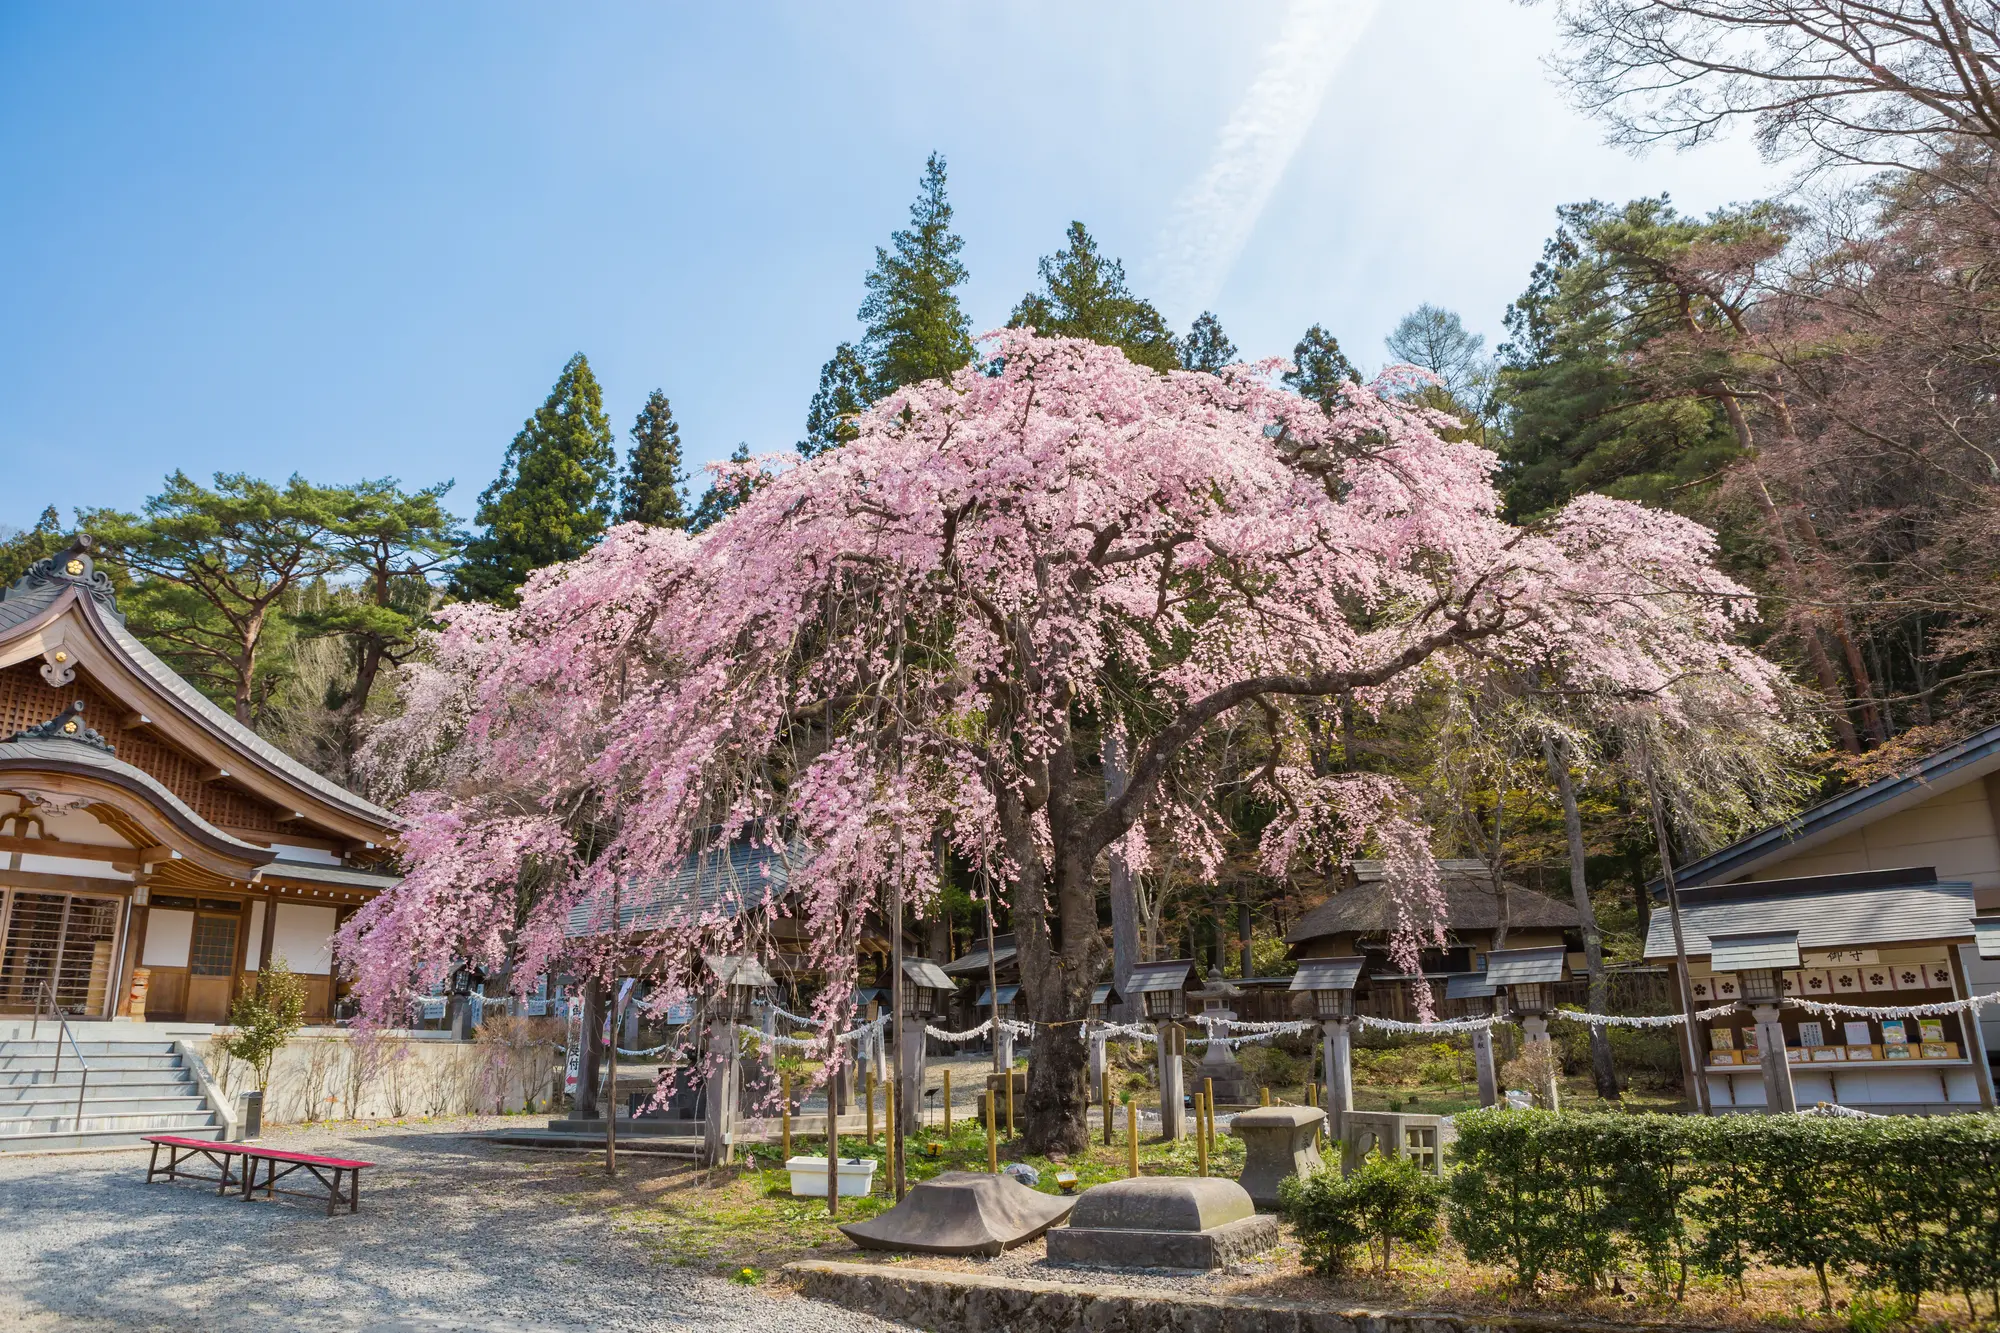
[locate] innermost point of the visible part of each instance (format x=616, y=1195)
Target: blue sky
x=360, y=240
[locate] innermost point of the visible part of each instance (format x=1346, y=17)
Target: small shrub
x=1538, y=1064
x=1389, y=1199
x=266, y=1019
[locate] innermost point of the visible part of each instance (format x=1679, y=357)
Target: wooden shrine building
x=153, y=849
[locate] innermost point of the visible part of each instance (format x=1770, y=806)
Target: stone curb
x=948, y=1302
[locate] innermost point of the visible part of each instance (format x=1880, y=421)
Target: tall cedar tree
x=651, y=489
x=915, y=329
x=842, y=398
x=1084, y=295
x=552, y=499
x=1319, y=368
x=1206, y=346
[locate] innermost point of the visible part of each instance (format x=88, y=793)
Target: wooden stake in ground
x=1264, y=1096
x=1104, y=1096
x=1131, y=1138
x=1007, y=1076
x=947, y=1103
x=894, y=1137
x=785, y=1109
x=1208, y=1093
x=992, y=1140
x=1200, y=1135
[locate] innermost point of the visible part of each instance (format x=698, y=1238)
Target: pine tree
x=915, y=329
x=1206, y=346
x=843, y=395
x=552, y=499
x=651, y=489
x=1084, y=295
x=1319, y=368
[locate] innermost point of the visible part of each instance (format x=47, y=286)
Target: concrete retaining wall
x=948, y=1302
x=329, y=1073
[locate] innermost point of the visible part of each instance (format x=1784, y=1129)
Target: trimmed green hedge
x=1904, y=1205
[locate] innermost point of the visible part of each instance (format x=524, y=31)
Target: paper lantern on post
x=1756, y=960
x=1330, y=981
x=1162, y=988
x=744, y=981
x=1472, y=990
x=925, y=988
x=1529, y=976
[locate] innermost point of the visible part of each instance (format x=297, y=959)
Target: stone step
x=65, y=1139
x=14, y=1082
x=115, y=1060
x=47, y=1048
x=22, y=1127
x=183, y=1102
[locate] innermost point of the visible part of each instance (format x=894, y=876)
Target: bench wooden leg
x=354, y=1191
x=153, y=1167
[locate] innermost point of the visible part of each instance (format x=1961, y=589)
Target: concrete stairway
x=134, y=1088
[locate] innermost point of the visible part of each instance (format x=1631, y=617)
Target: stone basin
x=1278, y=1141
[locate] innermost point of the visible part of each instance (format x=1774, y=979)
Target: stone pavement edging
x=951, y=1302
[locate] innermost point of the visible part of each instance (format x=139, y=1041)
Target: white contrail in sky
x=1213, y=219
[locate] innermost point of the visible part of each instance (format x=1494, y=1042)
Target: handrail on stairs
x=46, y=993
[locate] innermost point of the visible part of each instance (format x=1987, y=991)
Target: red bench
x=328, y=1171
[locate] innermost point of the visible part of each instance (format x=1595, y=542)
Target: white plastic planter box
x=857, y=1176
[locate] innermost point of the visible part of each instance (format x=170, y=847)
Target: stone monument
x=1219, y=1066
x=1163, y=1222
x=1278, y=1141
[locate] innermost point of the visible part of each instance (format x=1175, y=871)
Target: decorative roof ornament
x=73, y=566
x=67, y=725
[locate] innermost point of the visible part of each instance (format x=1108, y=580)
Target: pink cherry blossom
x=908, y=651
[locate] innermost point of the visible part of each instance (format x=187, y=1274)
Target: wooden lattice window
x=213, y=950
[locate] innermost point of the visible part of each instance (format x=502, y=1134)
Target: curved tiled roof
x=45, y=585
x=88, y=760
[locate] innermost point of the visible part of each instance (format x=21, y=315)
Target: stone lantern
x=1330, y=982
x=1162, y=990
x=1529, y=977
x=1756, y=960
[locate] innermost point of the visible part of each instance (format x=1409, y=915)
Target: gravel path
x=453, y=1236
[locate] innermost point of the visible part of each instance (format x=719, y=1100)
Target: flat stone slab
x=1163, y=1222
x=1162, y=1203
x=962, y=1213
x=1217, y=1247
